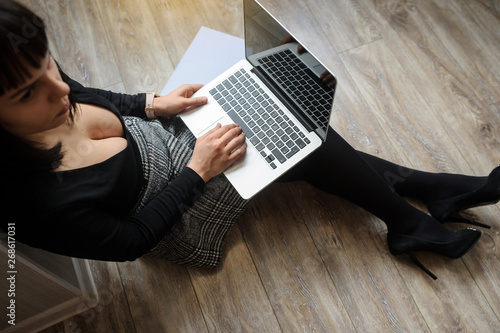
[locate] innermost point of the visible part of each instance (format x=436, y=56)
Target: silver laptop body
x=275, y=95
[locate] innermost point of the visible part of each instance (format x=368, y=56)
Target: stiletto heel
x=407, y=245
x=422, y=267
x=446, y=210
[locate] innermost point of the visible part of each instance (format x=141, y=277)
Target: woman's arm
x=134, y=105
x=126, y=104
x=84, y=230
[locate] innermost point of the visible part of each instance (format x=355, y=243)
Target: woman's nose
x=59, y=89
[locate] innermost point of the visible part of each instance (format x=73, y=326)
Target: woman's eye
x=27, y=95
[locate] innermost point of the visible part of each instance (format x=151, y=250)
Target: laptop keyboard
x=293, y=76
x=265, y=125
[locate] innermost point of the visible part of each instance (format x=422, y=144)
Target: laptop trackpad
x=222, y=120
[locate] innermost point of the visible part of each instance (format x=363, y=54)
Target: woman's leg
x=339, y=169
x=425, y=186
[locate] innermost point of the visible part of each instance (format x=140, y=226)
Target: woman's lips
x=66, y=108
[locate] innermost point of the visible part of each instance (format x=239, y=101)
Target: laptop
x=282, y=99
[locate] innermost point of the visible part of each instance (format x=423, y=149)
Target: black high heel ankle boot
x=446, y=210
x=407, y=245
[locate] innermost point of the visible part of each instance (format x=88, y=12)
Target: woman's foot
x=488, y=193
x=455, y=248
x=462, y=242
x=421, y=225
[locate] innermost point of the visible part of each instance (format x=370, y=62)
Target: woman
x=99, y=175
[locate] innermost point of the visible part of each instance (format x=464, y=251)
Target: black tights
x=378, y=186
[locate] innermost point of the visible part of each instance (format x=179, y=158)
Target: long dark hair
x=23, y=41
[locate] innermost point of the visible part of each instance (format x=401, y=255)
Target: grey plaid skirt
x=197, y=239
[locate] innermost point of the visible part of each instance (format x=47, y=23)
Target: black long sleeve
x=124, y=104
x=80, y=227
x=127, y=105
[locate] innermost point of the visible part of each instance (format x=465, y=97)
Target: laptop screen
x=301, y=82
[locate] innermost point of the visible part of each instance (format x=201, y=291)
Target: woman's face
x=37, y=106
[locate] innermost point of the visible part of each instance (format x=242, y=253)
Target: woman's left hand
x=178, y=101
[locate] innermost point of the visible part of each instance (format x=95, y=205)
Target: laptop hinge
x=283, y=98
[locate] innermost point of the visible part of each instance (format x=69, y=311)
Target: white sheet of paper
x=211, y=52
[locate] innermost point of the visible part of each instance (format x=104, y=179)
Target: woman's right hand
x=216, y=150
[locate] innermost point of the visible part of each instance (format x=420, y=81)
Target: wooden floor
x=419, y=84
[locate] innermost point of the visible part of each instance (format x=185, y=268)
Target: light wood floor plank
x=491, y=6
x=161, y=297
x=470, y=38
x=348, y=26
x=77, y=37
x=232, y=296
x=81, y=38
x=354, y=250
x=464, y=110
x=397, y=104
x=112, y=313
x=224, y=15
x=58, y=328
x=143, y=62
x=293, y=274
x=174, y=15
x=39, y=8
